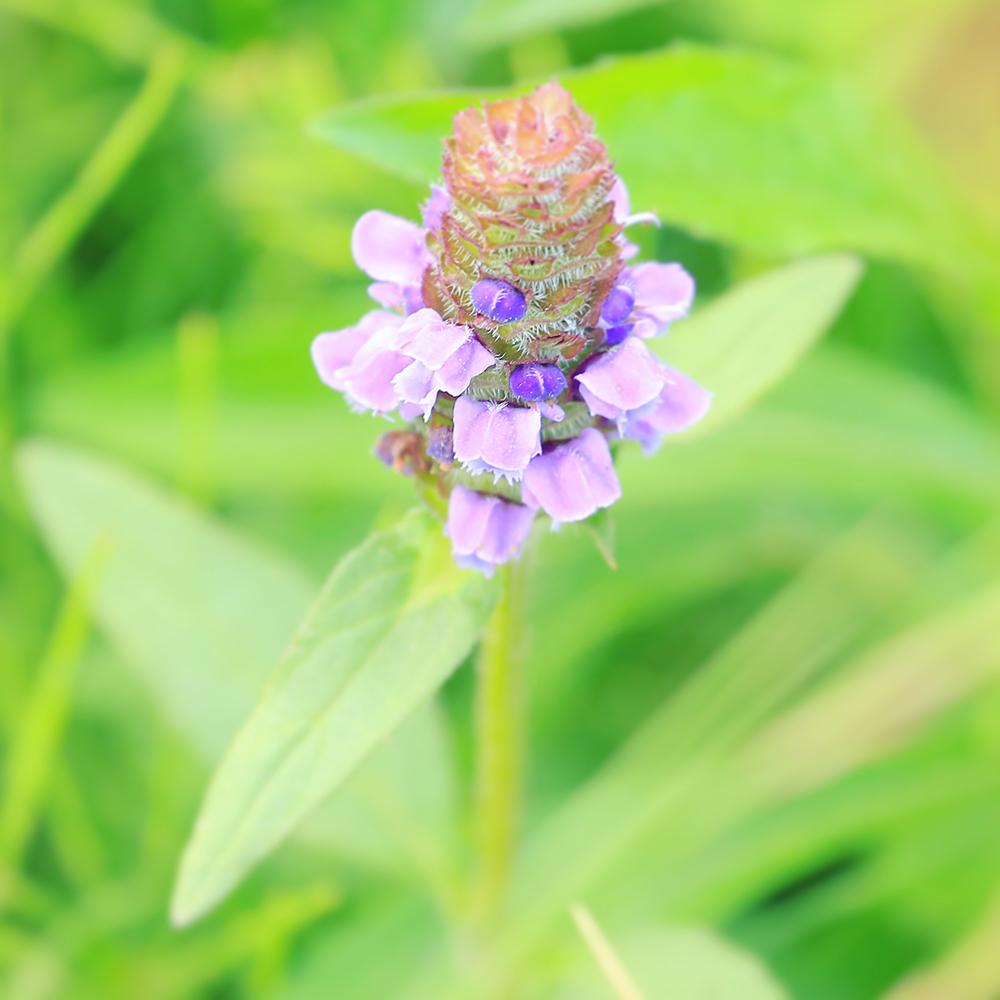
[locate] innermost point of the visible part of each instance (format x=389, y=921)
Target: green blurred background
x=803, y=632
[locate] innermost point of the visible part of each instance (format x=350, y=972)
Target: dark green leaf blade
x=394, y=619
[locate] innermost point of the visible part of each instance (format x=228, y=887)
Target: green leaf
x=738, y=146
x=748, y=340
x=496, y=21
x=684, y=963
x=199, y=613
x=394, y=619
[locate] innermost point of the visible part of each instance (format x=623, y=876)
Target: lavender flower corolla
x=485, y=530
x=514, y=301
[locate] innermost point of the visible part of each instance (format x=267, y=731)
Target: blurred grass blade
x=748, y=340
x=604, y=954
x=737, y=146
x=65, y=220
x=35, y=744
x=814, y=619
x=392, y=622
x=123, y=30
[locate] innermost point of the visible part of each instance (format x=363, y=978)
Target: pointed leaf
x=394, y=619
x=748, y=340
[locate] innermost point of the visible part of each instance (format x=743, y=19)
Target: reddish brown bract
x=529, y=187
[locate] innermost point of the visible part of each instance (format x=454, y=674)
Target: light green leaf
x=747, y=341
x=394, y=619
x=684, y=963
x=738, y=146
x=199, y=613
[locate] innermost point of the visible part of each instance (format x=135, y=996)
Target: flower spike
x=511, y=338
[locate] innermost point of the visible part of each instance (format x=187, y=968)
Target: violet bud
x=536, y=381
x=614, y=335
x=618, y=305
x=499, y=300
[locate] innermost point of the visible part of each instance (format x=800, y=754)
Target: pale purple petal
x=623, y=209
x=334, y=352
x=387, y=294
x=622, y=379
x=663, y=293
x=572, y=480
x=415, y=384
x=331, y=352
x=370, y=384
x=495, y=436
x=434, y=208
x=470, y=360
x=390, y=248
x=426, y=337
x=485, y=530
x=680, y=404
x=410, y=411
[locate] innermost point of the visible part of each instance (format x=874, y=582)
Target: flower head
x=514, y=311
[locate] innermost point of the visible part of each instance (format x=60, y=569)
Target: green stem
x=498, y=740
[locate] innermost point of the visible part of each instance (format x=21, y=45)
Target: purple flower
x=620, y=380
x=434, y=208
x=680, y=404
x=496, y=437
x=663, y=293
x=390, y=248
x=446, y=357
x=536, y=381
x=361, y=361
x=618, y=305
x=573, y=479
x=394, y=252
x=624, y=217
x=499, y=300
x=485, y=530
x=614, y=335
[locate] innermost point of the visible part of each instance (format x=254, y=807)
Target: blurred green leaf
x=497, y=21
x=749, y=339
x=686, y=964
x=202, y=614
x=738, y=146
x=198, y=612
x=394, y=619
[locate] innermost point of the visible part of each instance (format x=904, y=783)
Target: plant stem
x=498, y=740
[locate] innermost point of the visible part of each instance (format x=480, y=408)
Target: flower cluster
x=512, y=331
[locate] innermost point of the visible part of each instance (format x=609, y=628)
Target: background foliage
x=763, y=752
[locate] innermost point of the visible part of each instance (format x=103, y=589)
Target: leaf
x=394, y=619
x=749, y=339
x=737, y=146
x=200, y=613
x=689, y=963
x=496, y=21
